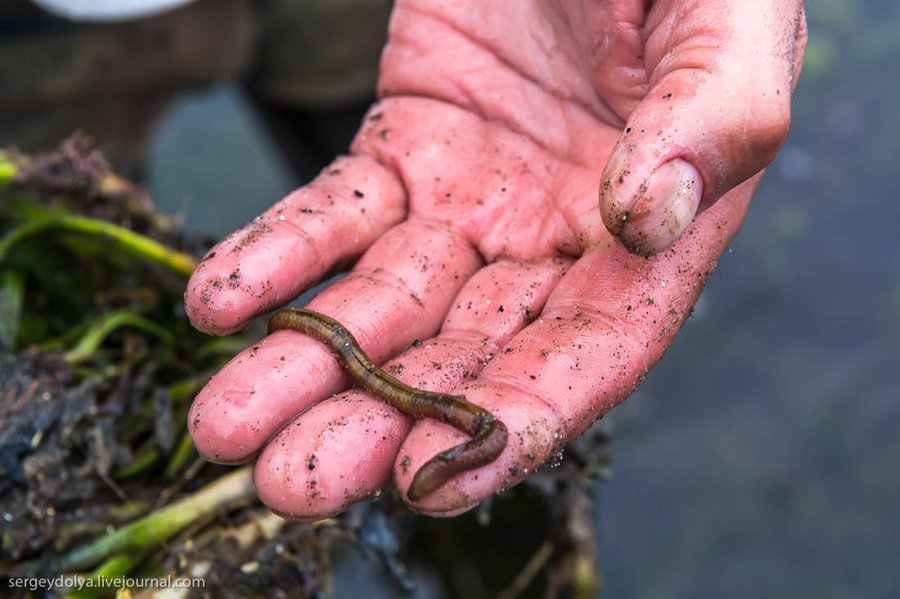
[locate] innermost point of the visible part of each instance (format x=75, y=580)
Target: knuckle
x=771, y=129
x=762, y=132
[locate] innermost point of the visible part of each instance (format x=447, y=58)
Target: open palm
x=487, y=267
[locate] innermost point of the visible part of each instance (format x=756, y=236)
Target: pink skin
x=499, y=125
x=474, y=330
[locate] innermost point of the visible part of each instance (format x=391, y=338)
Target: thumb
x=720, y=77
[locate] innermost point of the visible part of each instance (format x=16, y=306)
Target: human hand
x=471, y=193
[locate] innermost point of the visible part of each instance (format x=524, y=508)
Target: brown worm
x=488, y=434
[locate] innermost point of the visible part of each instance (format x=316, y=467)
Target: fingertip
x=218, y=439
x=332, y=220
x=533, y=433
x=257, y=268
x=213, y=303
x=244, y=404
x=286, y=482
x=653, y=216
x=335, y=454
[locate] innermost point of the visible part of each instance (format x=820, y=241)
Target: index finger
x=293, y=244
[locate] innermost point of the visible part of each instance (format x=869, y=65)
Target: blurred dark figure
x=308, y=67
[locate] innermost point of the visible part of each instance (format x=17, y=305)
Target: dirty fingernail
x=664, y=210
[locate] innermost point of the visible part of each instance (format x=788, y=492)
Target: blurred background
x=761, y=457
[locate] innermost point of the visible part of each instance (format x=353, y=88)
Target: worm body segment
x=489, y=435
